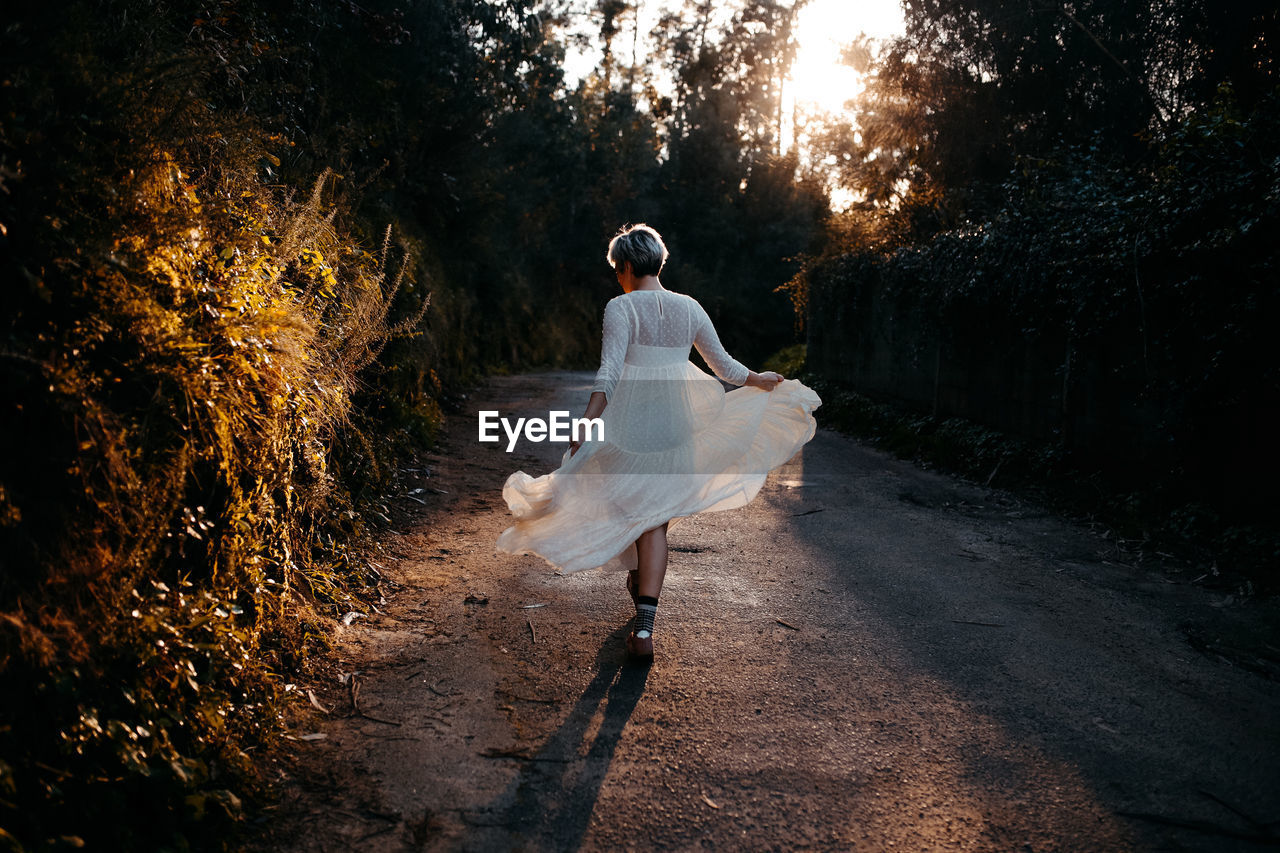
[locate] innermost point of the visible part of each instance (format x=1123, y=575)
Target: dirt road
x=867, y=657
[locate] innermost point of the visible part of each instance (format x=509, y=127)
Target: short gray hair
x=640, y=246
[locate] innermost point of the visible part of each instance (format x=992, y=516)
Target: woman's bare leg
x=651, y=560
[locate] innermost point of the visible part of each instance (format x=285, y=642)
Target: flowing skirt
x=675, y=444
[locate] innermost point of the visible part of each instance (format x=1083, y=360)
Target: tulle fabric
x=675, y=444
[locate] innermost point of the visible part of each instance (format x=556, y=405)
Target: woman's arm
x=724, y=365
x=613, y=350
x=595, y=407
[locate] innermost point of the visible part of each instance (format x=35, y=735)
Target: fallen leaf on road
x=316, y=703
x=709, y=801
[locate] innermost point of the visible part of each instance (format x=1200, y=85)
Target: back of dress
x=641, y=321
x=656, y=397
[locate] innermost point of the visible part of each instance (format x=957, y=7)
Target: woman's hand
x=595, y=408
x=766, y=381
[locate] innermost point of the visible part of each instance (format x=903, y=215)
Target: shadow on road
x=1012, y=670
x=555, y=792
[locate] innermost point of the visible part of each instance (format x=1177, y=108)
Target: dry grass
x=185, y=519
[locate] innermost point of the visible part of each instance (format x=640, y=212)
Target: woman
x=674, y=442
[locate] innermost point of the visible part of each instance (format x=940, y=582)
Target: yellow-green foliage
x=198, y=389
x=789, y=361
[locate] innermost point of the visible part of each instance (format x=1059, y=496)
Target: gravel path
x=869, y=657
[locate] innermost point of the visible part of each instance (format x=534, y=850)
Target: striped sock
x=646, y=613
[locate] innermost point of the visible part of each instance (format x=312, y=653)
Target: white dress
x=674, y=443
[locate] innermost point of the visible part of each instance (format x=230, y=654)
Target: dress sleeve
x=613, y=348
x=712, y=351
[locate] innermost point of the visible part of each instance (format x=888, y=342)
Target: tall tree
x=976, y=86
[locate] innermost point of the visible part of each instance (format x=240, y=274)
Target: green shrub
x=789, y=361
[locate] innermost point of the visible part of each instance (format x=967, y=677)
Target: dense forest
x=251, y=249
